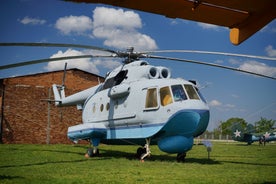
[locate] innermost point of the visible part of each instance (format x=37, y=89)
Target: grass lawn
x=228, y=163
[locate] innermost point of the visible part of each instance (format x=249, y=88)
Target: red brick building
x=27, y=116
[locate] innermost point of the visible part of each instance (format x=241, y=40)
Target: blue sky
x=230, y=94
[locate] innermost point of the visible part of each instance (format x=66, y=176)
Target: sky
x=229, y=93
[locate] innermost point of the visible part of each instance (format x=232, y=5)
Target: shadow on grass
x=106, y=154
x=161, y=158
x=42, y=163
x=6, y=177
x=248, y=163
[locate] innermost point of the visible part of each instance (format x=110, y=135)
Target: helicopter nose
x=187, y=123
x=179, y=131
x=203, y=122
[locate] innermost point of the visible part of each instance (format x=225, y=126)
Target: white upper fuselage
x=139, y=99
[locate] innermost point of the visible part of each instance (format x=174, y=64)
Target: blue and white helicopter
x=137, y=103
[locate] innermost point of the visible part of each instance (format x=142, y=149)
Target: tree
x=264, y=125
x=226, y=127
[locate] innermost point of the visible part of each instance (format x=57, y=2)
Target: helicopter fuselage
x=141, y=101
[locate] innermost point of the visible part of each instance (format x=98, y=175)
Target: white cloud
x=118, y=28
x=33, y=21
x=219, y=61
x=83, y=64
x=173, y=22
x=270, y=51
x=235, y=96
x=110, y=17
x=74, y=24
x=229, y=106
x=86, y=64
x=257, y=67
x=222, y=107
x=215, y=103
x=208, y=26
x=107, y=63
x=234, y=61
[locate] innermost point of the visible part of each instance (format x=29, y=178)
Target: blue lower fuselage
x=173, y=136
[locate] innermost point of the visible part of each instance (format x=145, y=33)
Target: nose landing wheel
x=181, y=157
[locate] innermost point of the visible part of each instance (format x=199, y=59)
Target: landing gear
x=181, y=157
x=93, y=151
x=144, y=152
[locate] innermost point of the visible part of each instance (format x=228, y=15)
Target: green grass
x=228, y=163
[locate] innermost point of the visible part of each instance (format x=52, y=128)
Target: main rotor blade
x=3, y=67
x=58, y=45
x=214, y=53
x=209, y=64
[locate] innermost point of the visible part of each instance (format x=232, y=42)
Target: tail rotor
x=58, y=90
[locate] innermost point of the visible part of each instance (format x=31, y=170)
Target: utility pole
x=48, y=130
x=2, y=110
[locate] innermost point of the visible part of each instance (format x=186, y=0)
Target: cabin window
x=94, y=108
x=165, y=96
x=107, y=106
x=151, y=98
x=102, y=107
x=191, y=92
x=178, y=93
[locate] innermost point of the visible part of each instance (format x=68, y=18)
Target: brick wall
x=29, y=118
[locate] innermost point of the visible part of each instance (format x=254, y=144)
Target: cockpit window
x=178, y=93
x=191, y=91
x=151, y=98
x=165, y=96
x=201, y=96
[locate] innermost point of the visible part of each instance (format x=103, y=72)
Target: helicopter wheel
x=92, y=152
x=140, y=152
x=181, y=157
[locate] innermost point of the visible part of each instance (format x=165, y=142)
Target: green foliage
x=228, y=163
x=264, y=125
x=226, y=127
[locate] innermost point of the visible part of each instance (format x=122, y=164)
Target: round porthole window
x=94, y=108
x=102, y=107
x=116, y=104
x=107, y=106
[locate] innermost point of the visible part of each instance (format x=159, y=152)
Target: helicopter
x=249, y=136
x=138, y=103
